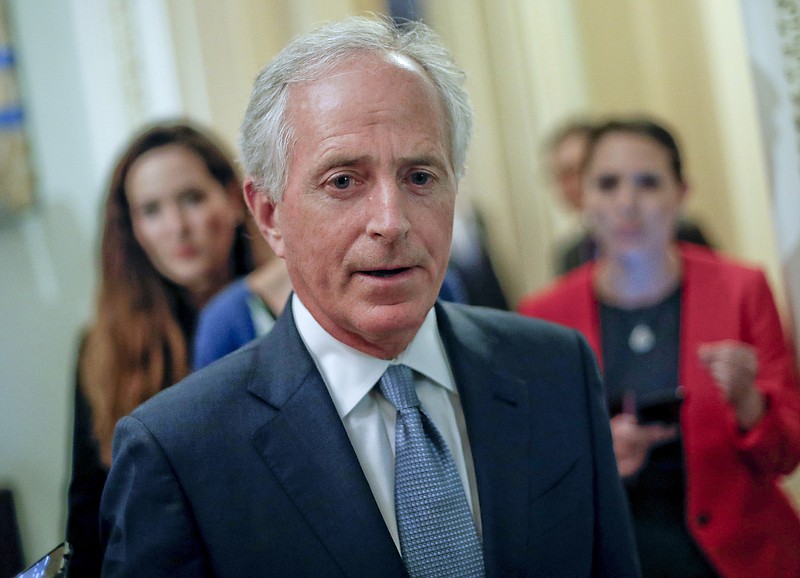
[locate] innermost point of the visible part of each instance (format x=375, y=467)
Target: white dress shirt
x=369, y=418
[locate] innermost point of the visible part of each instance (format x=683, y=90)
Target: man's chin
x=389, y=327
x=396, y=316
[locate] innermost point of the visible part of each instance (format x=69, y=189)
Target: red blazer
x=736, y=510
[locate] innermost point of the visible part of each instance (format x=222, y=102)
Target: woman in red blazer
x=700, y=381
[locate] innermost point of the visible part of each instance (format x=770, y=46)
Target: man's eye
x=420, y=179
x=342, y=181
x=607, y=182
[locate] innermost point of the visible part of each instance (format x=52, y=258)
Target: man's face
x=366, y=218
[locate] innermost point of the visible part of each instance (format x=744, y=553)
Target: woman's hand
x=633, y=441
x=734, y=366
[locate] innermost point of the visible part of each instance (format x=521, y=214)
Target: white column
x=773, y=35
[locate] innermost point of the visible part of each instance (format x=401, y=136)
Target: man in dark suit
x=280, y=458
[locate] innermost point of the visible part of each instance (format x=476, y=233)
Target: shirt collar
x=350, y=374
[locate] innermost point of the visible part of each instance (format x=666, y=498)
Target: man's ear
x=265, y=213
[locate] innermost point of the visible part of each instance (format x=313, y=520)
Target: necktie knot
x=397, y=385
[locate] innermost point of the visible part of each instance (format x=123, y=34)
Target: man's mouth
x=386, y=272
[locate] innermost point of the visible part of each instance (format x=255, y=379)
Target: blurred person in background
x=172, y=237
x=565, y=152
x=244, y=310
x=699, y=378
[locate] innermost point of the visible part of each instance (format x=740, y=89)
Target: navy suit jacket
x=245, y=469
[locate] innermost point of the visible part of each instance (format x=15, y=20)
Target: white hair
x=266, y=132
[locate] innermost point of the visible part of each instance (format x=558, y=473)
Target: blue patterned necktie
x=434, y=521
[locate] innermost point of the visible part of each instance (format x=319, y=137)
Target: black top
x=89, y=473
x=640, y=357
x=640, y=352
x=85, y=488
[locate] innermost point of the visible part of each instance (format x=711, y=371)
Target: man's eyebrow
x=328, y=163
x=426, y=160
x=337, y=160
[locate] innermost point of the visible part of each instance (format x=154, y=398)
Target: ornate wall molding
x=16, y=180
x=127, y=54
x=789, y=31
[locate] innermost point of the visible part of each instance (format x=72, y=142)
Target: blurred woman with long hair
x=172, y=237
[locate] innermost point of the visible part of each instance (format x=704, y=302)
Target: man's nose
x=388, y=220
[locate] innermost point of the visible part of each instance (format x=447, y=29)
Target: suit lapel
x=499, y=436
x=308, y=450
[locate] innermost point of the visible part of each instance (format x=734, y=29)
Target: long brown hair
x=137, y=344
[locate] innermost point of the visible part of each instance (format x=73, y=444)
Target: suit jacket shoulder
x=243, y=466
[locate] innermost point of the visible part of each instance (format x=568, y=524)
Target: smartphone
x=54, y=564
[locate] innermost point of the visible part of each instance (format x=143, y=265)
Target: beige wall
x=506, y=53
x=219, y=52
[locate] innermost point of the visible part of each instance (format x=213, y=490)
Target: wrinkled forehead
x=372, y=78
